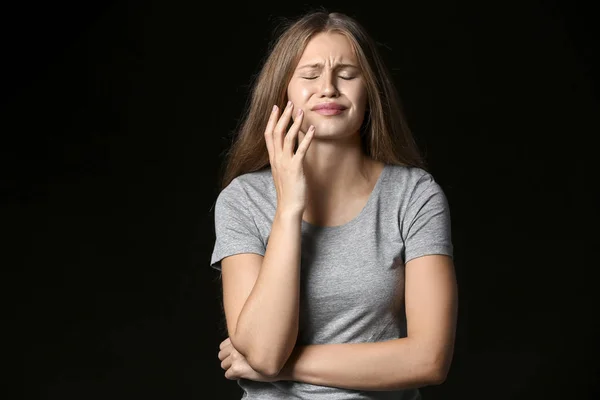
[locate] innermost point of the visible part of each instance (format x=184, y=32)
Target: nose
x=328, y=85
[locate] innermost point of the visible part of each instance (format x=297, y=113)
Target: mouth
x=328, y=108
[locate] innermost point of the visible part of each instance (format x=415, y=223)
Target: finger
x=225, y=342
x=281, y=127
x=269, y=130
x=225, y=349
x=306, y=141
x=223, y=354
x=231, y=374
x=226, y=363
x=290, y=139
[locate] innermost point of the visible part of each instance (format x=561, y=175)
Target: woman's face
x=328, y=86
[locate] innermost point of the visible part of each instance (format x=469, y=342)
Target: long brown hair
x=385, y=134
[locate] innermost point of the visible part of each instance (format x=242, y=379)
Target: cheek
x=299, y=94
x=305, y=93
x=361, y=99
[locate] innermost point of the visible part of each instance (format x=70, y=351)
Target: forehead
x=328, y=47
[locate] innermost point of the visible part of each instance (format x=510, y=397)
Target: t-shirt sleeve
x=235, y=229
x=426, y=224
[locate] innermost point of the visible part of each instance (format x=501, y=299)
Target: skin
x=327, y=182
x=339, y=176
x=328, y=72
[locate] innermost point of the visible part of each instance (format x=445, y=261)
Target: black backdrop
x=115, y=117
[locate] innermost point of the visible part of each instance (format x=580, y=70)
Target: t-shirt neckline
x=359, y=216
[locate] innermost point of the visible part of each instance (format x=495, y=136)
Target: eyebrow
x=320, y=65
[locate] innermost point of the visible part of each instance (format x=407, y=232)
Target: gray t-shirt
x=352, y=275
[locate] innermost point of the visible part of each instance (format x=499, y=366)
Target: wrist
x=288, y=215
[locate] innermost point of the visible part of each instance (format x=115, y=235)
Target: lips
x=329, y=106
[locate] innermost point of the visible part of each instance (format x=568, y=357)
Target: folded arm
x=420, y=359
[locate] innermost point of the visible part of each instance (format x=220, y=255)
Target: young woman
x=333, y=241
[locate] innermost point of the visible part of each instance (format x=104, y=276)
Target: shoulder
x=260, y=179
x=248, y=181
x=410, y=179
x=250, y=185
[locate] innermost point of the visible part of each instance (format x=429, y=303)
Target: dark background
x=115, y=117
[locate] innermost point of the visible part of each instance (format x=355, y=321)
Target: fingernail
x=299, y=112
x=275, y=107
x=289, y=103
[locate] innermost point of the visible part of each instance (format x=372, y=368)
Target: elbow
x=434, y=367
x=264, y=357
x=265, y=362
x=437, y=376
x=267, y=366
x=437, y=373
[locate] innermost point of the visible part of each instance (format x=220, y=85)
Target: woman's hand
x=236, y=366
x=288, y=167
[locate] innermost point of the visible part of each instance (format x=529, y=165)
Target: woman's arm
x=420, y=359
x=261, y=297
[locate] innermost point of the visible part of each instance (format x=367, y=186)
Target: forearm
x=267, y=326
x=390, y=365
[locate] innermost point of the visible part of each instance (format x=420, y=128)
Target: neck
x=337, y=168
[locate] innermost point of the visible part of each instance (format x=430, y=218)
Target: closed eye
x=347, y=78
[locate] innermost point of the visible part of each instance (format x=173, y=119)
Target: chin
x=333, y=129
x=331, y=134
